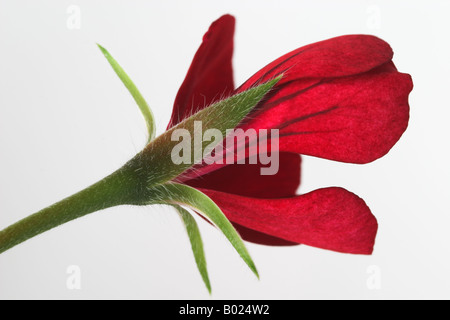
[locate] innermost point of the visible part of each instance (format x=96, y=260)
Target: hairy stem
x=121, y=187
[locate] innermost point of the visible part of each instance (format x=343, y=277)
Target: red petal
x=257, y=237
x=210, y=76
x=246, y=179
x=330, y=218
x=336, y=57
x=353, y=119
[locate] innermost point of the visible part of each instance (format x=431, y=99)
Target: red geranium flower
x=340, y=99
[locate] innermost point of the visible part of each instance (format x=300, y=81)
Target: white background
x=66, y=121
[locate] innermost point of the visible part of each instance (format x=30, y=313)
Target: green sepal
x=154, y=164
x=196, y=243
x=179, y=194
x=143, y=106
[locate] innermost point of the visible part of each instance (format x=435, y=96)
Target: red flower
x=341, y=99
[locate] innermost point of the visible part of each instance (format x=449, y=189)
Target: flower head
x=340, y=99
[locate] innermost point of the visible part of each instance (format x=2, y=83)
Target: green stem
x=121, y=187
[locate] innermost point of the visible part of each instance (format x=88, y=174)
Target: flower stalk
x=121, y=187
